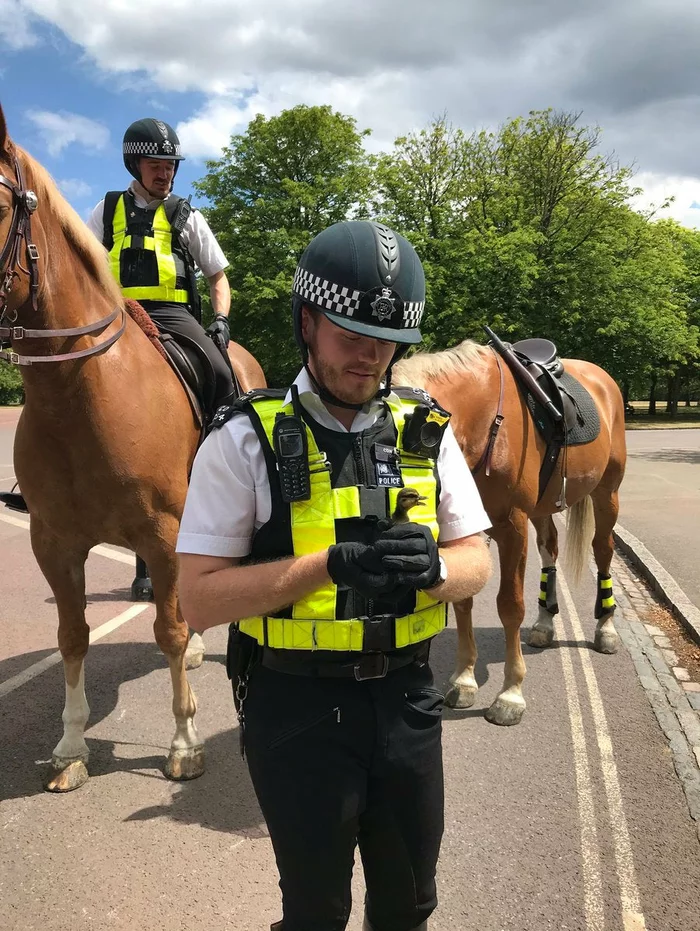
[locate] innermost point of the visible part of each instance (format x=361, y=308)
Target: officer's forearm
x=220, y=293
x=468, y=569
x=227, y=594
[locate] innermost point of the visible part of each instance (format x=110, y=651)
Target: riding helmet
x=365, y=278
x=150, y=138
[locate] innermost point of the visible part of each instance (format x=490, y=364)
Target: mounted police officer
x=294, y=529
x=156, y=240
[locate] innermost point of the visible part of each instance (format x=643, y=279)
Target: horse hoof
x=194, y=659
x=606, y=641
x=185, y=764
x=141, y=590
x=540, y=637
x=63, y=777
x=506, y=711
x=460, y=696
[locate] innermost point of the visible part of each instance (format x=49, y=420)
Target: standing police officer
x=155, y=239
x=294, y=529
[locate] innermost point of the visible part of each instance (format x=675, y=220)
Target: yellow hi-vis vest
x=160, y=279
x=312, y=624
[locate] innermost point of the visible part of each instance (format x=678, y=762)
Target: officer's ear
x=308, y=324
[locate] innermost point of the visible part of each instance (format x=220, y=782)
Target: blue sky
x=55, y=78
x=73, y=76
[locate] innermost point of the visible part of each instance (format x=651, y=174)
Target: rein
x=24, y=204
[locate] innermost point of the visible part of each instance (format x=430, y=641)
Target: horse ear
x=5, y=140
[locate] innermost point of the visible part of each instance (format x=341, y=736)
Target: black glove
x=411, y=552
x=220, y=332
x=357, y=566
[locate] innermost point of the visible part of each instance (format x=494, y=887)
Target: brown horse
x=467, y=382
x=105, y=442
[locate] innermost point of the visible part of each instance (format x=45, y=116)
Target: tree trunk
x=626, y=392
x=672, y=391
x=652, y=396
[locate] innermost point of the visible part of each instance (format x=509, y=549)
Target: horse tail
x=580, y=527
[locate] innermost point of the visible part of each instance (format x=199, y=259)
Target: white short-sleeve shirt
x=196, y=234
x=229, y=493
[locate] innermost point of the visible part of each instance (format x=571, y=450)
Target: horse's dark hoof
x=14, y=502
x=141, y=590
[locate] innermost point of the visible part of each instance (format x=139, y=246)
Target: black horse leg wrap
x=548, y=590
x=605, y=599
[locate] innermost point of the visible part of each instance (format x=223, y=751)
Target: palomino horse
x=466, y=381
x=104, y=444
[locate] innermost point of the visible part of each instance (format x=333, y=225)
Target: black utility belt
x=359, y=666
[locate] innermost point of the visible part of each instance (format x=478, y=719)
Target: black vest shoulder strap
x=110, y=205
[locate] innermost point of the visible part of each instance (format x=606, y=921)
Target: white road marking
x=590, y=854
x=100, y=550
x=36, y=669
x=632, y=917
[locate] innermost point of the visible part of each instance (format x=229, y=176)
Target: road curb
x=661, y=581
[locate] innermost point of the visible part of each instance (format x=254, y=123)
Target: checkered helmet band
x=152, y=149
x=327, y=295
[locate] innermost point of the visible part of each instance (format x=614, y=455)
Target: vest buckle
x=371, y=666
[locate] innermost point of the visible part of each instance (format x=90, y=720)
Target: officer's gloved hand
x=358, y=566
x=220, y=332
x=411, y=552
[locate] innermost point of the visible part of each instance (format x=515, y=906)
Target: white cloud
x=59, y=130
x=633, y=68
x=657, y=189
x=206, y=133
x=15, y=26
x=74, y=188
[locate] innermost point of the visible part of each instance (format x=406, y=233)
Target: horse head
x=19, y=255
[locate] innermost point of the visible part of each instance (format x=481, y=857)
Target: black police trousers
x=336, y=764
x=179, y=321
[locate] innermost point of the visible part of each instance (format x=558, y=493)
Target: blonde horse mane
x=424, y=367
x=90, y=252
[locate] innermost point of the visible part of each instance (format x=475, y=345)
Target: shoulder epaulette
x=241, y=404
x=222, y=415
x=257, y=394
x=419, y=395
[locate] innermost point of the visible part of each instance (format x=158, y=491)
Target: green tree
x=277, y=185
x=529, y=229
x=11, y=387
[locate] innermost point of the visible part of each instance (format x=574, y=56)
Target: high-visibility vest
x=313, y=623
x=146, y=258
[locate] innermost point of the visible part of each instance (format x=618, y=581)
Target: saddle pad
x=579, y=434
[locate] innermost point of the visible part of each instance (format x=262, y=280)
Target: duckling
x=406, y=499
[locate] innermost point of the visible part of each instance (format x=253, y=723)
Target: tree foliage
x=278, y=184
x=528, y=228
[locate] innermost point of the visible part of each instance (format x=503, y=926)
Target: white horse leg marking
x=76, y=712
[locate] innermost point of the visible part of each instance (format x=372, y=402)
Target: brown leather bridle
x=24, y=204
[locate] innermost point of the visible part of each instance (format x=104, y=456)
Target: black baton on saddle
x=521, y=372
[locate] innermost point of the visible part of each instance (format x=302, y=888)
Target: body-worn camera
x=424, y=429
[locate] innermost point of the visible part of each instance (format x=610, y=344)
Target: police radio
x=424, y=429
x=291, y=449
x=181, y=214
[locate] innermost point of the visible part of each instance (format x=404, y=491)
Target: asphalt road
x=573, y=820
x=660, y=501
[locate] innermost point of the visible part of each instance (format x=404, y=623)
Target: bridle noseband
x=24, y=204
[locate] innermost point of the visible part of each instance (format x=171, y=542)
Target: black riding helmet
x=363, y=277
x=153, y=139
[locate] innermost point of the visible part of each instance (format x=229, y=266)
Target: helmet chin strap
x=328, y=396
